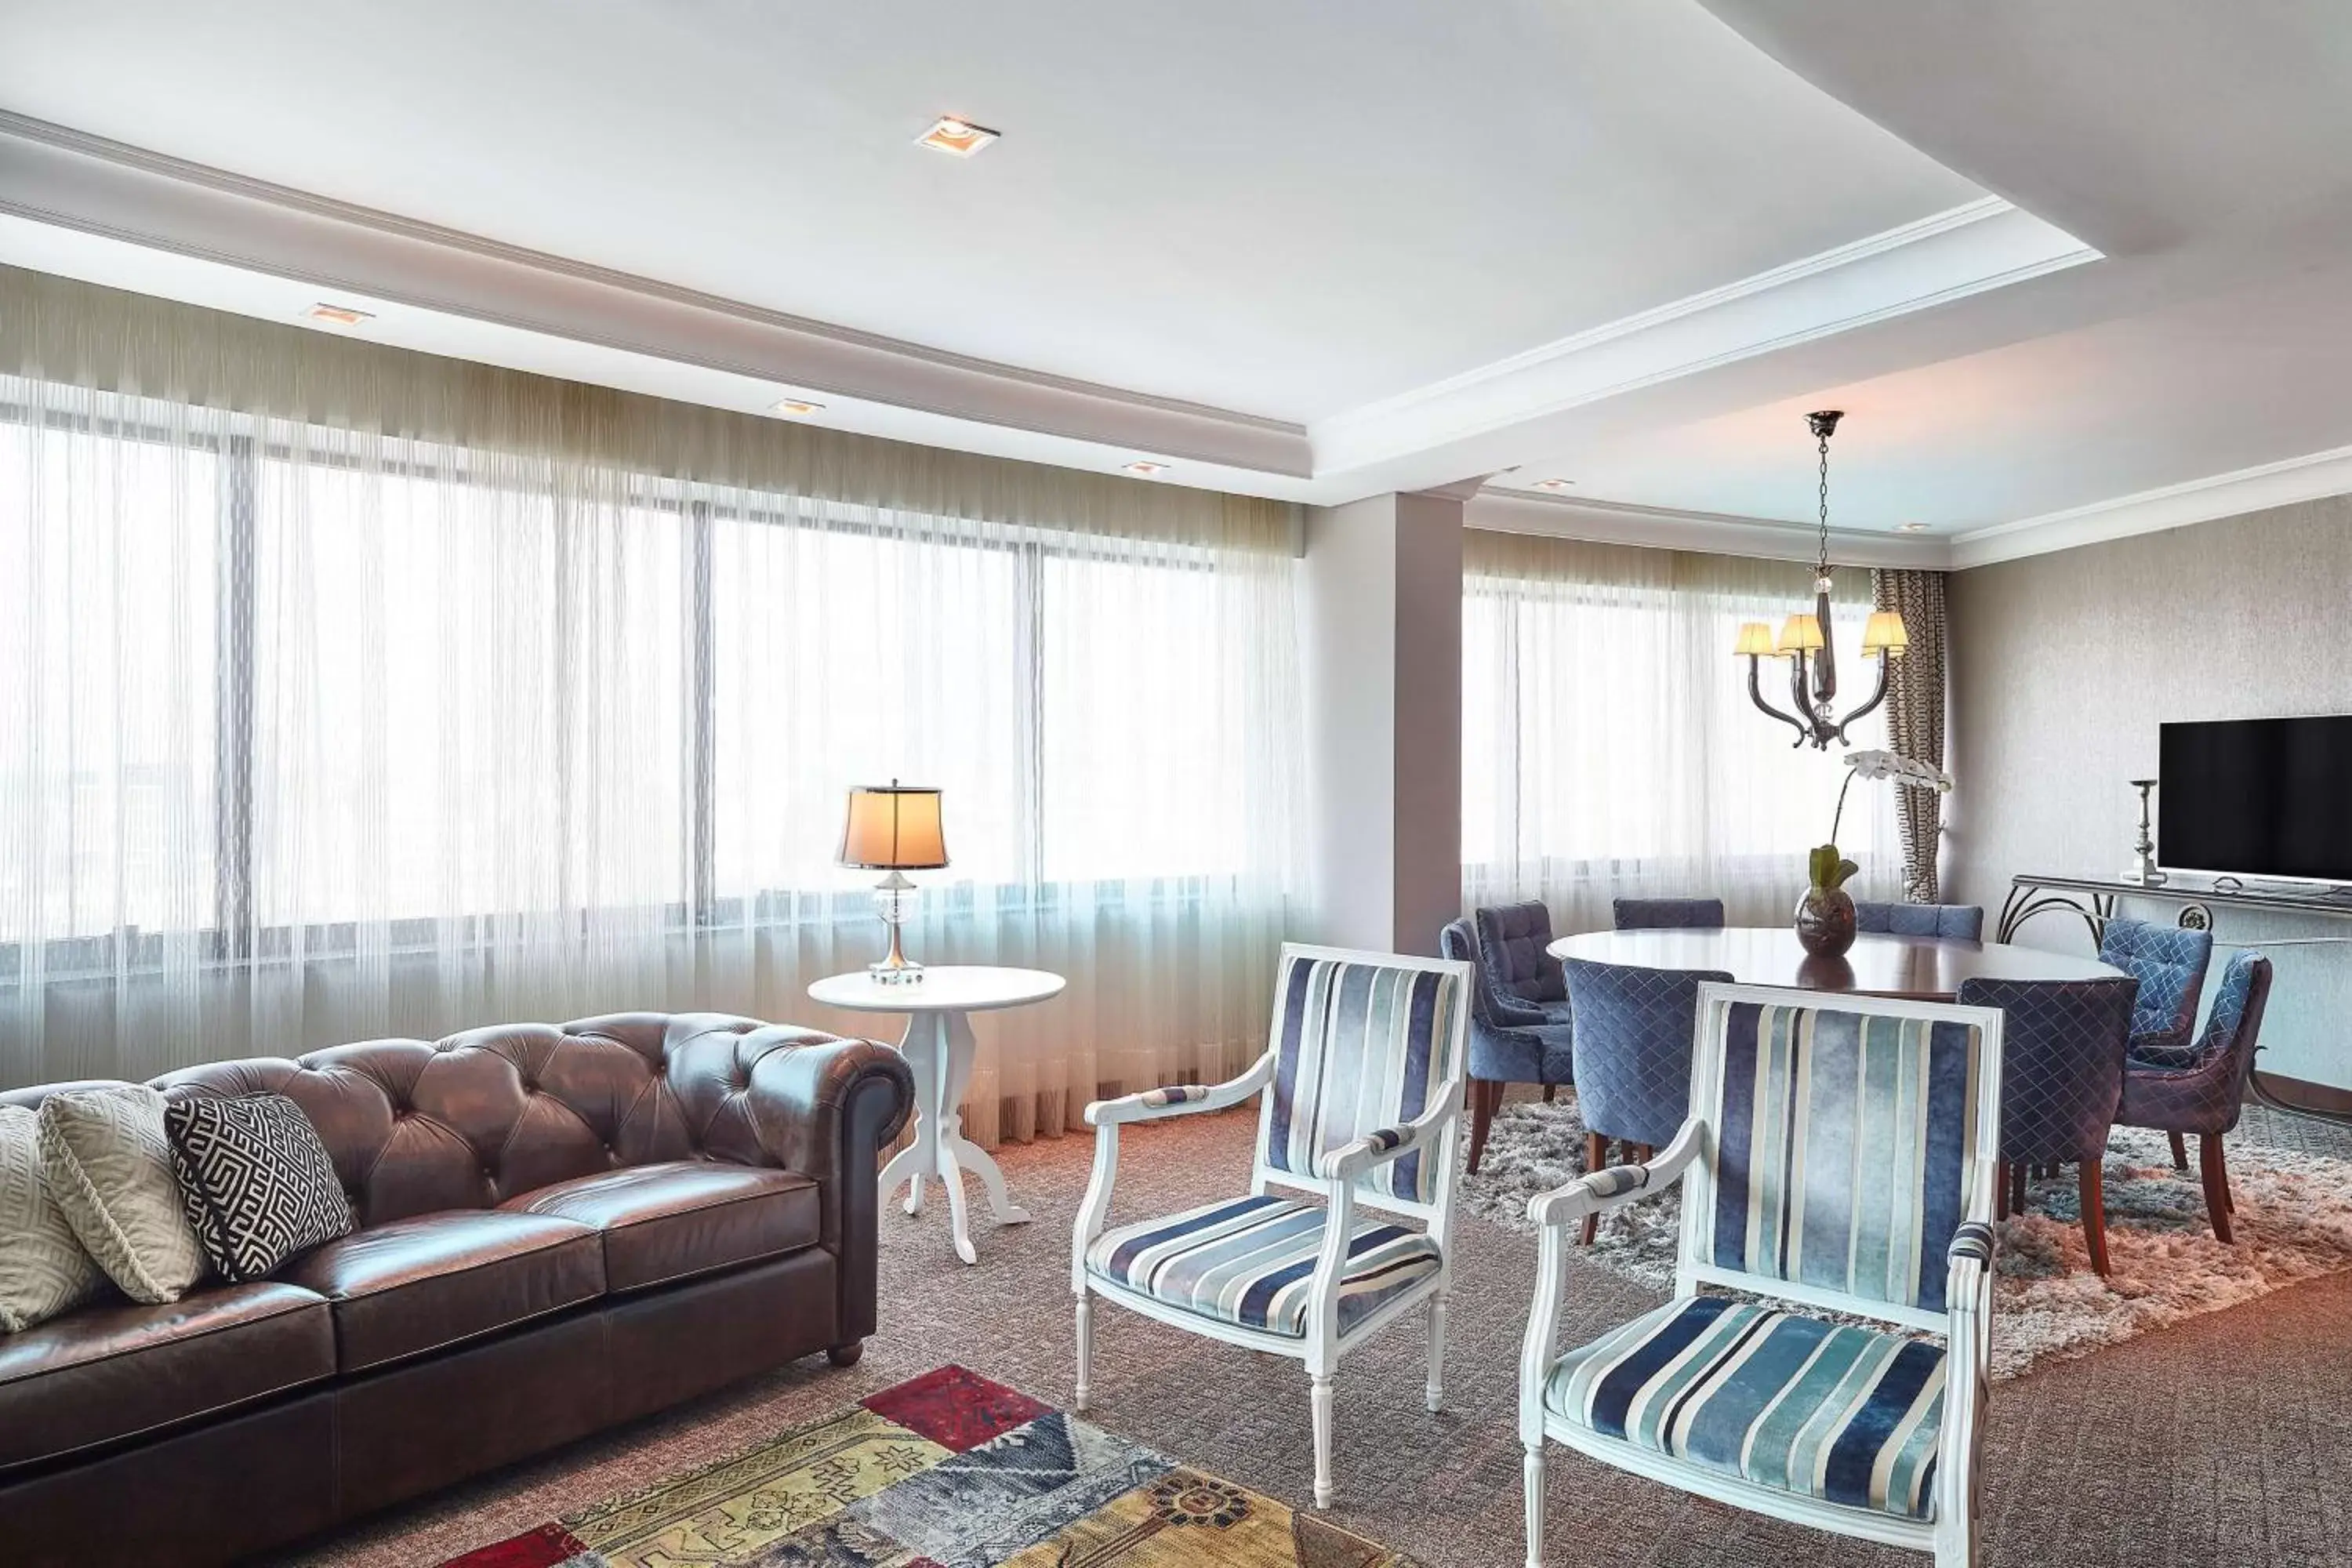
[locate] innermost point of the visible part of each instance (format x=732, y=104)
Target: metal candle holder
x=2143, y=869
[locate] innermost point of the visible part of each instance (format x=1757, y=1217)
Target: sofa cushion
x=112, y=1371
x=255, y=1181
x=108, y=1162
x=418, y=1284
x=44, y=1268
x=682, y=1217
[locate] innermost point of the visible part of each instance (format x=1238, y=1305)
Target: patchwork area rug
x=2293, y=1222
x=945, y=1470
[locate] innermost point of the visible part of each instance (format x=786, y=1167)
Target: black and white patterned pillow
x=258, y=1184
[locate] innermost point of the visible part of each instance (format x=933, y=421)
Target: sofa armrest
x=827, y=1108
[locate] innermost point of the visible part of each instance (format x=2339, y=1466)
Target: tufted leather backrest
x=1514, y=951
x=470, y=1120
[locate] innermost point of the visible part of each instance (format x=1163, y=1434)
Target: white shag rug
x=2293, y=1222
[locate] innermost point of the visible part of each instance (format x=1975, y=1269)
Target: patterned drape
x=1915, y=717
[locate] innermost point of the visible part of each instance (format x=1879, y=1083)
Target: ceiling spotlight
x=338, y=315
x=1911, y=527
x=799, y=407
x=1554, y=484
x=1144, y=468
x=958, y=138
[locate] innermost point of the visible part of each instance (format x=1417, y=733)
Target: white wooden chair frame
x=1690, y=1159
x=1435, y=1133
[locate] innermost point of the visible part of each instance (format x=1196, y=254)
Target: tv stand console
x=2091, y=900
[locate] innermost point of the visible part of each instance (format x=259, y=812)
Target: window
x=380, y=681
x=108, y=761
x=1609, y=746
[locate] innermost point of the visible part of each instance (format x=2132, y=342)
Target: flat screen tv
x=2257, y=798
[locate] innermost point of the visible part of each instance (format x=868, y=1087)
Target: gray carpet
x=2222, y=1441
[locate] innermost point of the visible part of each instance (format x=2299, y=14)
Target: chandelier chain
x=1824, y=567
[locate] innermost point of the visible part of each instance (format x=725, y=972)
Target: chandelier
x=1807, y=643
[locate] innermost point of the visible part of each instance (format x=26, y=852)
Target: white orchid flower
x=1907, y=772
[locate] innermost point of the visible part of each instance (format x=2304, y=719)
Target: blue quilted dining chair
x=1836, y=1171
x=1360, y=1096
x=1964, y=923
x=2169, y=963
x=1515, y=1038
x=1631, y=1048
x=2203, y=1093
x=2062, y=1079
x=1667, y=914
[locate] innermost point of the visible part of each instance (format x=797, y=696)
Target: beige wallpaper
x=2064, y=665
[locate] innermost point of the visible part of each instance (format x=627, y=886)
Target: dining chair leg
x=1596, y=1156
x=1485, y=1094
x=2017, y=1186
x=2001, y=1189
x=2180, y=1152
x=2094, y=1214
x=1551, y=1094
x=2217, y=1183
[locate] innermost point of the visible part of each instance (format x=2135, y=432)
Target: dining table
x=1912, y=968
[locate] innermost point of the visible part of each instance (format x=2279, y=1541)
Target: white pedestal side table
x=938, y=1045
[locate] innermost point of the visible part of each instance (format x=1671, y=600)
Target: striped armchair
x=1361, y=1092
x=1838, y=1156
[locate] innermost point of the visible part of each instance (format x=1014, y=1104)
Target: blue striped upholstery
x=1842, y=1156
x=1963, y=921
x=1667, y=914
x=1249, y=1261
x=1847, y=1414
x=1358, y=1046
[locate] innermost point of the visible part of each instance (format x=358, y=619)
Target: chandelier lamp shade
x=893, y=828
x=1808, y=642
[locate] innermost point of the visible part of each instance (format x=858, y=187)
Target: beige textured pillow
x=43, y=1269
x=109, y=1165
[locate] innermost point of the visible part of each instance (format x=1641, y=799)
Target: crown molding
x=54, y=175
x=1983, y=244
x=2284, y=483
x=1718, y=533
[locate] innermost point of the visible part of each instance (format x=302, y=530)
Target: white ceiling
x=1308, y=248
x=1283, y=209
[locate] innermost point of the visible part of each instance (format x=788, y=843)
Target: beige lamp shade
x=1800, y=633
x=893, y=828
x=1884, y=633
x=1756, y=638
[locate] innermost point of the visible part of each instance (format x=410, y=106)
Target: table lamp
x=893, y=828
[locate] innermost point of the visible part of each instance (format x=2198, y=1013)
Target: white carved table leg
x=962, y=1048
x=919, y=1158
x=952, y=1046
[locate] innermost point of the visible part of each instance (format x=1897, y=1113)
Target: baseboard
x=2328, y=1098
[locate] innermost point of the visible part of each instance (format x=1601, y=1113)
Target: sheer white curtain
x=347, y=692
x=1609, y=748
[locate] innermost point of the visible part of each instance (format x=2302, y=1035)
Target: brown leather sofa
x=560, y=1229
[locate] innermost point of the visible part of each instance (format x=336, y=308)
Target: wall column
x=1382, y=612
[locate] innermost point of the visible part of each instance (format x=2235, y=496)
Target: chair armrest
x=1510, y=1013
x=1183, y=1100
x=1619, y=1186
x=1967, y=1292
x=1384, y=1144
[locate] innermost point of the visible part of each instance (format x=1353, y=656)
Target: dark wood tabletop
x=1918, y=968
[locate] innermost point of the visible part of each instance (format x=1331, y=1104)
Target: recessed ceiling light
x=958, y=138
x=799, y=407
x=1146, y=467
x=1911, y=527
x=338, y=315
x=1554, y=484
